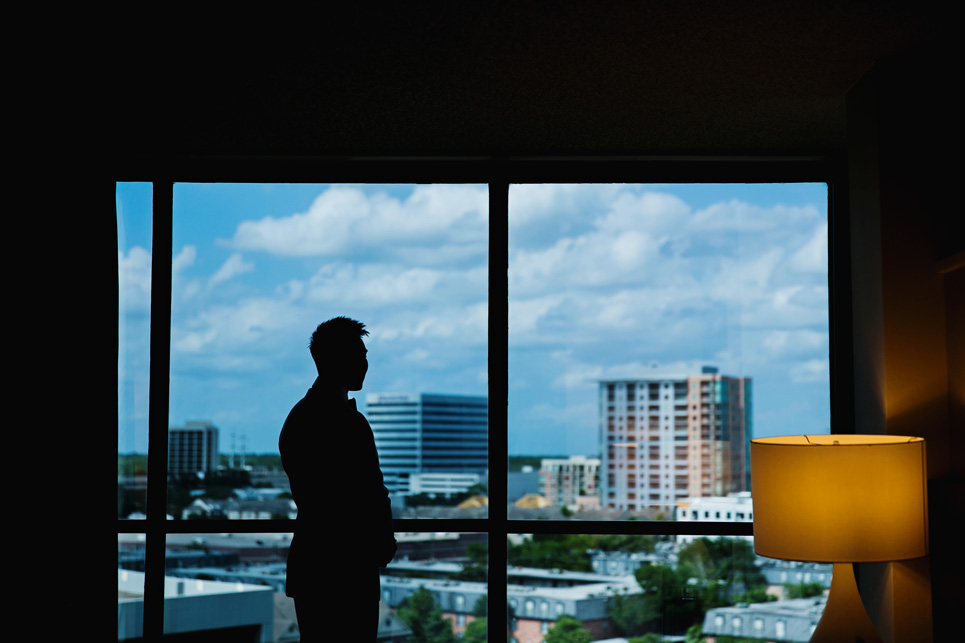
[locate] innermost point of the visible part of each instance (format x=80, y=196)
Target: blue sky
x=604, y=280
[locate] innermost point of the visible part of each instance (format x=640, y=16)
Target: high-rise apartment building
x=569, y=482
x=428, y=433
x=193, y=448
x=669, y=436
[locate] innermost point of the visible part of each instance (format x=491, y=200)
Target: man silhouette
x=343, y=533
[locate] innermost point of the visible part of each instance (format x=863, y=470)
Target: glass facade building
x=426, y=433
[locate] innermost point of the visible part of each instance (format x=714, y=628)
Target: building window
x=564, y=269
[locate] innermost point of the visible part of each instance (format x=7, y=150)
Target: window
x=525, y=319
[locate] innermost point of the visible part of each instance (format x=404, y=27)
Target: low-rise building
x=443, y=484
x=537, y=597
x=781, y=573
x=734, y=507
x=197, y=605
x=779, y=621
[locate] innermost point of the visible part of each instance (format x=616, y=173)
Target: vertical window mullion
x=839, y=308
x=156, y=509
x=498, y=391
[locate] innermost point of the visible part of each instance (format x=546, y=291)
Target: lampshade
x=839, y=498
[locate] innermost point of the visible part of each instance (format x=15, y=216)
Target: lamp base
x=845, y=619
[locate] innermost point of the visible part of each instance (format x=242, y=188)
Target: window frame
x=497, y=174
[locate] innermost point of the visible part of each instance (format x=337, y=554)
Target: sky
x=605, y=280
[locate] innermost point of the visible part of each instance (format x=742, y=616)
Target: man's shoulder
x=300, y=407
x=315, y=407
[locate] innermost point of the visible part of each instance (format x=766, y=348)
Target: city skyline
x=604, y=280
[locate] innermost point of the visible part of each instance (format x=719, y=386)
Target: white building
x=734, y=507
x=192, y=605
x=670, y=435
x=443, y=484
x=425, y=433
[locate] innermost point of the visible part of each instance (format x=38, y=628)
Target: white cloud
x=812, y=370
x=783, y=342
x=418, y=355
x=184, y=259
x=234, y=266
x=598, y=259
x=813, y=256
x=746, y=217
x=255, y=324
x=344, y=221
x=184, y=288
x=134, y=280
x=375, y=285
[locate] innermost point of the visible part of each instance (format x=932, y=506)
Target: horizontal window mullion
x=627, y=169
x=648, y=527
x=493, y=526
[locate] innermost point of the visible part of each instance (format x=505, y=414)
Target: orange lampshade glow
x=839, y=498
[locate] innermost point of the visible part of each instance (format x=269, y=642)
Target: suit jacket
x=344, y=526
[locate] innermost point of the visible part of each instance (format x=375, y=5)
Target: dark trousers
x=320, y=619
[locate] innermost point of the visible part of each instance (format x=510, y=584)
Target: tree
x=568, y=630
x=476, y=631
x=553, y=551
x=420, y=612
x=667, y=603
x=723, y=568
x=695, y=634
x=481, y=608
x=803, y=590
x=629, y=543
x=477, y=567
x=649, y=637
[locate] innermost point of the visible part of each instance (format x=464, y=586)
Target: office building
x=671, y=435
x=193, y=448
x=425, y=433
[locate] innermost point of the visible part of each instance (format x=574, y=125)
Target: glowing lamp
x=840, y=499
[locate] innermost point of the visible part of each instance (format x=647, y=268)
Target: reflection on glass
x=632, y=585
x=257, y=267
x=653, y=330
x=133, y=202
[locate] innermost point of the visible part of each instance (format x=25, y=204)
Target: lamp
x=840, y=499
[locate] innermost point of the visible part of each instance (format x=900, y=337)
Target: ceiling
x=525, y=78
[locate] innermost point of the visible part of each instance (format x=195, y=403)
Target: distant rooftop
x=790, y=620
